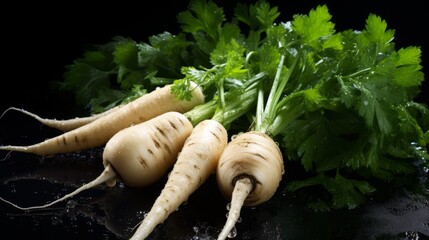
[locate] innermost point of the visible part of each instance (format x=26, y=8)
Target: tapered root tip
x=7, y=110
x=105, y=176
x=14, y=148
x=151, y=220
x=242, y=189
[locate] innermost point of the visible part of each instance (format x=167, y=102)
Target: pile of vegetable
x=253, y=101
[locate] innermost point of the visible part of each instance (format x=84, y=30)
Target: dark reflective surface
x=111, y=213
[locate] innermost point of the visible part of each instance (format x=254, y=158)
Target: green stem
x=280, y=89
x=259, y=108
x=221, y=91
x=357, y=73
x=282, y=120
x=270, y=101
x=238, y=101
x=202, y=112
x=276, y=92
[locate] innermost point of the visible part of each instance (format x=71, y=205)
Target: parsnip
x=251, y=167
x=138, y=155
x=249, y=172
x=196, y=162
x=200, y=154
x=99, y=131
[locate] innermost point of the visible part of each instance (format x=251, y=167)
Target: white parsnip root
x=64, y=125
x=196, y=162
x=143, y=153
x=249, y=172
x=138, y=155
x=99, y=131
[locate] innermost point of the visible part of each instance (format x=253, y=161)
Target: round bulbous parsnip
x=196, y=162
x=249, y=172
x=153, y=147
x=138, y=155
x=99, y=131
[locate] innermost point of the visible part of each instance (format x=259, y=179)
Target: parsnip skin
x=249, y=172
x=196, y=162
x=143, y=153
x=99, y=131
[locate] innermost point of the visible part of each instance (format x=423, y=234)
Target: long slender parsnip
x=138, y=155
x=248, y=172
x=98, y=132
x=64, y=125
x=196, y=162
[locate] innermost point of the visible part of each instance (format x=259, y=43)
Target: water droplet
x=71, y=204
x=410, y=235
x=239, y=220
x=236, y=135
x=233, y=233
x=365, y=103
x=426, y=169
x=228, y=206
x=55, y=220
x=141, y=214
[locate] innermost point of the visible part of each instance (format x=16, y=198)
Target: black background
x=39, y=39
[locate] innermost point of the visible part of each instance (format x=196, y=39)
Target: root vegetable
x=249, y=172
x=138, y=155
x=200, y=154
x=99, y=131
x=64, y=125
x=196, y=162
